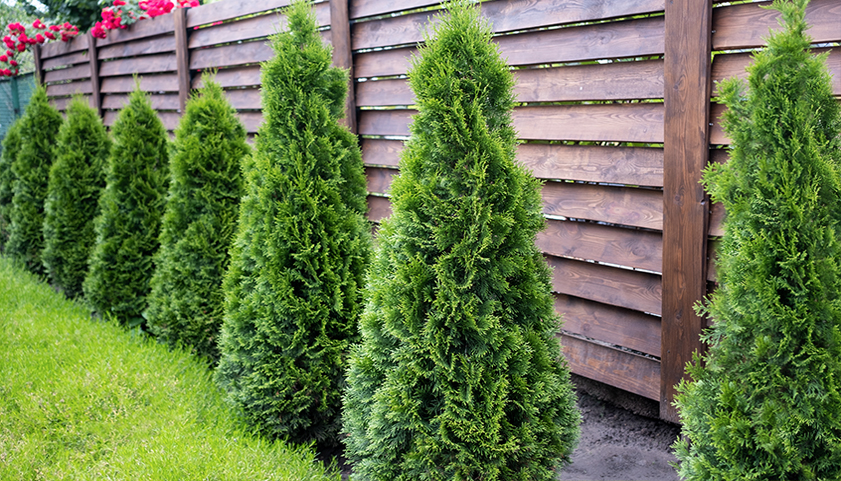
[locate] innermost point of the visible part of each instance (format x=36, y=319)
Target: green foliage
x=764, y=402
x=131, y=207
x=38, y=129
x=11, y=147
x=76, y=181
x=293, y=291
x=186, y=302
x=82, y=13
x=459, y=374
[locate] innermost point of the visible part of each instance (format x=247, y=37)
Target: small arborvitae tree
x=459, y=374
x=131, y=207
x=186, y=302
x=77, y=178
x=38, y=131
x=11, y=147
x=764, y=402
x=293, y=291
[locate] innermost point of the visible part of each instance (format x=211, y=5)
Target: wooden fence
x=616, y=116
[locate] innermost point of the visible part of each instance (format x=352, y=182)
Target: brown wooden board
x=250, y=28
x=96, y=80
x=71, y=59
x=228, y=9
x=601, y=243
x=378, y=208
x=635, y=290
x=61, y=103
x=381, y=152
x=182, y=58
x=169, y=119
x=244, y=99
x=231, y=77
x=616, y=165
x=733, y=65
x=251, y=121
x=384, y=122
x=717, y=135
x=343, y=57
x=625, y=370
x=159, y=102
x=382, y=63
x=70, y=73
x=717, y=213
x=146, y=46
x=712, y=247
x=616, y=205
x=231, y=55
x=162, y=62
x=746, y=25
x=142, y=29
x=613, y=325
x=60, y=90
x=149, y=83
x=370, y=8
x=57, y=48
x=379, y=179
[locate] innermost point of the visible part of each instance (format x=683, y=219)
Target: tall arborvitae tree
x=11, y=147
x=293, y=291
x=186, y=303
x=131, y=207
x=76, y=181
x=764, y=402
x=459, y=374
x=38, y=132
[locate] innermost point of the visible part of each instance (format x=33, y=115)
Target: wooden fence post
x=182, y=57
x=343, y=54
x=39, y=70
x=96, y=93
x=685, y=204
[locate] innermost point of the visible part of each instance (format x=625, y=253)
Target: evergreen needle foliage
x=459, y=374
x=293, y=291
x=186, y=303
x=764, y=402
x=31, y=169
x=11, y=147
x=131, y=207
x=76, y=181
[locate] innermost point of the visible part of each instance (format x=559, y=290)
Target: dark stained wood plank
x=685, y=217
x=717, y=135
x=169, y=119
x=712, y=248
x=158, y=101
x=370, y=8
x=149, y=83
x=71, y=88
x=380, y=93
x=228, y=9
x=614, y=325
x=164, y=62
x=601, y=243
x=250, y=28
x=378, y=208
x=717, y=213
x=61, y=103
x=381, y=152
x=230, y=55
x=382, y=63
x=616, y=205
x=251, y=121
x=745, y=25
x=616, y=165
x=379, y=179
x=634, y=290
x=57, y=48
x=343, y=57
x=733, y=65
x=142, y=29
x=719, y=156
x=71, y=59
x=70, y=73
x=96, y=81
x=244, y=99
x=384, y=122
x=182, y=60
x=146, y=46
x=231, y=77
x=625, y=370
x=638, y=122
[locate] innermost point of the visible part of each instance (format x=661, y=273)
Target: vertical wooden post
x=39, y=70
x=182, y=58
x=343, y=54
x=685, y=205
x=96, y=91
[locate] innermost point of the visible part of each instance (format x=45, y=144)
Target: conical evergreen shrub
x=38, y=132
x=186, y=303
x=77, y=178
x=131, y=207
x=459, y=374
x=764, y=402
x=11, y=147
x=293, y=291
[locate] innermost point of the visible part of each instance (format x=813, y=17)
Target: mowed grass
x=84, y=399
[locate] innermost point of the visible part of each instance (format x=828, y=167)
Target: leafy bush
x=764, y=402
x=38, y=129
x=11, y=147
x=131, y=207
x=77, y=178
x=186, y=302
x=459, y=374
x=293, y=291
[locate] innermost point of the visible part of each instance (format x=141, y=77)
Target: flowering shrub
x=21, y=37
x=122, y=14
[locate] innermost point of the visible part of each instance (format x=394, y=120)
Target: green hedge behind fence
x=14, y=96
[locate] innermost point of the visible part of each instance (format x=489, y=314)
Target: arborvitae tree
x=764, y=402
x=293, y=291
x=131, y=207
x=38, y=132
x=186, y=303
x=459, y=374
x=11, y=147
x=77, y=178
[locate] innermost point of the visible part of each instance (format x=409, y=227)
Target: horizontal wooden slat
x=251, y=121
x=169, y=119
x=633, y=373
x=601, y=243
x=384, y=122
x=609, y=285
x=228, y=9
x=616, y=205
x=746, y=25
x=164, y=62
x=370, y=8
x=379, y=179
x=384, y=92
x=717, y=135
x=381, y=152
x=250, y=28
x=57, y=48
x=245, y=99
x=716, y=218
x=159, y=102
x=142, y=29
x=70, y=73
x=378, y=208
x=61, y=103
x=614, y=325
x=148, y=83
x=733, y=65
x=232, y=77
x=71, y=59
x=60, y=90
x=146, y=46
x=229, y=55
x=616, y=165
x=382, y=63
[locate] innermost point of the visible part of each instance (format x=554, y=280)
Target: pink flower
x=7, y=72
x=13, y=63
x=49, y=35
x=40, y=38
x=4, y=58
x=39, y=24
x=55, y=28
x=21, y=47
x=119, y=3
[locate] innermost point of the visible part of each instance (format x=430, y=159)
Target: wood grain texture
x=169, y=119
x=70, y=59
x=685, y=204
x=384, y=122
x=601, y=243
x=146, y=46
x=382, y=63
x=370, y=8
x=70, y=88
x=182, y=61
x=231, y=55
x=163, y=62
x=380, y=93
x=150, y=83
x=616, y=205
x=58, y=48
x=717, y=214
x=378, y=208
x=61, y=103
x=158, y=101
x=634, y=290
x=745, y=25
x=231, y=77
x=625, y=370
x=343, y=57
x=70, y=73
x=616, y=165
x=614, y=325
x=379, y=180
x=717, y=135
x=733, y=65
x=244, y=99
x=146, y=28
x=381, y=152
x=712, y=249
x=96, y=81
x=249, y=28
x=251, y=121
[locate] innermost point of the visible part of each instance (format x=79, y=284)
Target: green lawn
x=84, y=399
